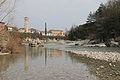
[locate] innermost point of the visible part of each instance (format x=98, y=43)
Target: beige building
x=56, y=32
x=26, y=24
x=43, y=33
x=21, y=30
x=11, y=28
x=31, y=30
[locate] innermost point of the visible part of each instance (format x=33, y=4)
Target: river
x=47, y=63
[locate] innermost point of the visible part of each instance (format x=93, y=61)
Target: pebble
x=102, y=67
x=97, y=72
x=110, y=64
x=97, y=68
x=114, y=65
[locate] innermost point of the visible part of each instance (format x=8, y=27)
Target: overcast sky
x=59, y=14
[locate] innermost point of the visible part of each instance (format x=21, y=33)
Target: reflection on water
x=3, y=66
x=49, y=64
x=26, y=64
x=45, y=56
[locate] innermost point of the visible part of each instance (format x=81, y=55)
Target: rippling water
x=49, y=64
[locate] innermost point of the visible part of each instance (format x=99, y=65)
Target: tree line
x=103, y=25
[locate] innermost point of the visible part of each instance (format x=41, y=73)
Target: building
x=56, y=32
x=26, y=24
x=21, y=30
x=11, y=28
x=31, y=30
x=43, y=33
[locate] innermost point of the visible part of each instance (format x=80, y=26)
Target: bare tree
x=6, y=7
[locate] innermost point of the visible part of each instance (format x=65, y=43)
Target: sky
x=59, y=14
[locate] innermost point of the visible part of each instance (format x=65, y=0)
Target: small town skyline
x=38, y=27
x=41, y=28
x=27, y=29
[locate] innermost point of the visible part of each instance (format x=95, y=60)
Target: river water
x=52, y=64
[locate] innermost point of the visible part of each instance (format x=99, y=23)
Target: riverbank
x=90, y=43
x=107, y=56
x=96, y=53
x=103, y=69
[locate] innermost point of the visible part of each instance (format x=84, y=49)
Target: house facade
x=53, y=33
x=56, y=32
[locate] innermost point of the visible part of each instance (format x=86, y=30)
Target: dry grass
x=11, y=42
